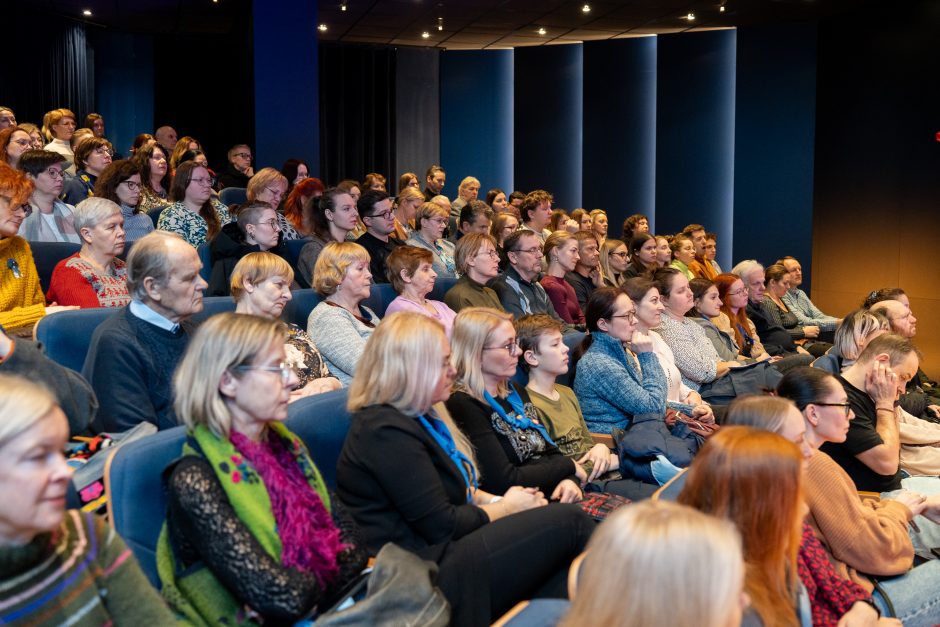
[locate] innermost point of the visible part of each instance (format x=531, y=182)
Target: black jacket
x=226, y=249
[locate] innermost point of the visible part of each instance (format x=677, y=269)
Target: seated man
x=478, y=263
x=239, y=170
x=435, y=178
x=475, y=217
x=375, y=210
x=802, y=307
x=536, y=212
x=133, y=354
x=467, y=191
x=700, y=266
x=587, y=273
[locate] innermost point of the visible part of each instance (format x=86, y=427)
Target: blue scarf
x=441, y=434
x=518, y=420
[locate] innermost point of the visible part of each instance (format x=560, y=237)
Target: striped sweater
x=81, y=575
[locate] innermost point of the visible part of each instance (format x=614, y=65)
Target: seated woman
x=120, y=183
x=260, y=534
x=512, y=446
x=858, y=535
x=583, y=218
x=613, y=262
x=857, y=329
x=58, y=564
x=340, y=324
x=430, y=222
x=92, y=156
x=637, y=223
x=58, y=126
x=411, y=274
x=599, y=225
x=777, y=282
x=14, y=141
x=333, y=215
x=663, y=251
x=733, y=319
x=406, y=208
x=642, y=256
x=271, y=188
x=683, y=253
x=303, y=195
x=50, y=219
x=492, y=551
x=260, y=286
x=256, y=230
x=154, y=176
x=706, y=308
x=561, y=253
x=478, y=264
x=94, y=276
x=503, y=225
x=194, y=215
x=668, y=563
x=183, y=145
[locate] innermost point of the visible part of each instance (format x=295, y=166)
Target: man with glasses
x=375, y=210
x=518, y=288
x=239, y=170
x=256, y=230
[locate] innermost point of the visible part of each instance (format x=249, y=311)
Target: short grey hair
x=91, y=212
x=149, y=258
x=746, y=267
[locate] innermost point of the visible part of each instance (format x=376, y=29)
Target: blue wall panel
x=695, y=133
x=548, y=116
x=477, y=118
x=620, y=128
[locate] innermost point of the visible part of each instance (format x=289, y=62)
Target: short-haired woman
x=14, y=141
x=194, y=215
x=340, y=324
x=58, y=126
x=411, y=273
x=94, y=276
x=430, y=222
x=50, y=219
x=333, y=215
x=256, y=229
x=857, y=329
x=270, y=186
x=260, y=286
x=92, y=156
x=120, y=183
x=154, y=176
x=250, y=521
x=58, y=565
x=683, y=253
x=492, y=551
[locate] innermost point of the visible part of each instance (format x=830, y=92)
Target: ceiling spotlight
x=342, y=7
x=440, y=23
x=690, y=17
x=425, y=35
x=87, y=12
x=322, y=28
x=721, y=9
x=586, y=8
x=542, y=31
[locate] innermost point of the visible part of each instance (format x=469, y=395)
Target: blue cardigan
x=611, y=389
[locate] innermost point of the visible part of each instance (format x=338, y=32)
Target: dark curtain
x=357, y=112
x=46, y=68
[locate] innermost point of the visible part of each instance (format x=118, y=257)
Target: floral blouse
x=303, y=356
x=150, y=200
x=190, y=225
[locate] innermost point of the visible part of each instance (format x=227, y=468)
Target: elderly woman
x=491, y=550
x=120, y=183
x=599, y=225
x=260, y=286
x=14, y=141
x=683, y=253
x=430, y=222
x=305, y=193
x=340, y=325
x=50, y=219
x=154, y=177
x=94, y=276
x=58, y=126
x=59, y=566
x=92, y=156
x=777, y=284
x=409, y=199
x=561, y=254
x=194, y=214
x=276, y=544
x=411, y=273
x=255, y=230
x=642, y=254
x=270, y=186
x=613, y=262
x=333, y=217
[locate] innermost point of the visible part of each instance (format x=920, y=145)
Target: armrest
x=604, y=438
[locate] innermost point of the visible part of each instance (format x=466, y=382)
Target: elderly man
x=802, y=307
x=239, y=170
x=134, y=353
x=518, y=288
x=375, y=210
x=468, y=190
x=435, y=178
x=166, y=137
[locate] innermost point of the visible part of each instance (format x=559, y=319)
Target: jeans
x=663, y=470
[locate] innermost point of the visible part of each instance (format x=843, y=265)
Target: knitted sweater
x=82, y=575
x=77, y=282
x=341, y=337
x=21, y=299
x=136, y=224
x=612, y=389
x=695, y=356
x=563, y=299
x=468, y=293
x=130, y=365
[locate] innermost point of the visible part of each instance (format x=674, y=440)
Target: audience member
x=340, y=324
x=561, y=222
x=706, y=308
x=14, y=141
x=561, y=253
x=238, y=171
x=59, y=566
x=194, y=215
x=478, y=264
x=180, y=148
x=154, y=178
x=683, y=254
x=35, y=135
x=295, y=171
x=663, y=251
x=613, y=262
x=120, y=183
x=586, y=275
x=277, y=542
x=637, y=223
x=435, y=179
x=91, y=158
x=7, y=118
x=536, y=213
x=95, y=123
x=468, y=190
x=133, y=354
x=733, y=321
x=166, y=137
x=642, y=255
x=270, y=186
x=777, y=283
x=332, y=216
x=94, y=276
x=583, y=218
x=503, y=225
x=711, y=252
x=599, y=225
x=406, y=208
x=518, y=288
x=857, y=329
x=78, y=138
x=475, y=217
x=255, y=230
x=496, y=198
x=49, y=219
x=58, y=126
x=144, y=139
x=375, y=211
x=411, y=273
x=408, y=179
x=700, y=267
x=303, y=198
x=375, y=182
x=515, y=203
x=430, y=224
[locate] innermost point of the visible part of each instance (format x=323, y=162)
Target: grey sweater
x=341, y=337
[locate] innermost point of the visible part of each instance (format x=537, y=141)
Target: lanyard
x=518, y=421
x=441, y=434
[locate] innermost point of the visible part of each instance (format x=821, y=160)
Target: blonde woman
x=184, y=145
x=599, y=225
x=270, y=186
x=613, y=262
x=250, y=522
x=659, y=563
x=58, y=126
x=561, y=253
x=409, y=199
x=340, y=324
x=430, y=222
x=492, y=551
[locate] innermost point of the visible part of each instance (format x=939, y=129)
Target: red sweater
x=830, y=595
x=77, y=282
x=564, y=299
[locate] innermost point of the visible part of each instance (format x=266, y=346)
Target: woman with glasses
x=642, y=255
x=251, y=526
x=733, y=319
x=154, y=177
x=255, y=230
x=614, y=262
x=92, y=156
x=14, y=141
x=430, y=223
x=561, y=254
x=194, y=214
x=120, y=183
x=270, y=186
x=58, y=126
x=50, y=219
x=478, y=262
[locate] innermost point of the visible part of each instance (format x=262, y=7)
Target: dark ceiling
x=464, y=24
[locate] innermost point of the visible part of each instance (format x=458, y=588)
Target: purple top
x=445, y=315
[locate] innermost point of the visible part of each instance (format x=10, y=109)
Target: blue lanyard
x=747, y=336
x=518, y=420
x=441, y=434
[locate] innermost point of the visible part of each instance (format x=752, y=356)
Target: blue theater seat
x=294, y=246
x=233, y=196
x=298, y=309
x=322, y=422
x=47, y=254
x=205, y=258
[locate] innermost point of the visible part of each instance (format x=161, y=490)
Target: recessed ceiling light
x=542, y=31
x=721, y=9
x=440, y=23
x=322, y=28
x=342, y=7
x=87, y=12
x=690, y=17
x=425, y=35
x=586, y=8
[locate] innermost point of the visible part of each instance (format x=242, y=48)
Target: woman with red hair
x=295, y=203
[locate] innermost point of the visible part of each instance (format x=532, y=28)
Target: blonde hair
x=52, y=118
x=222, y=343
x=332, y=264
x=427, y=211
x=256, y=268
x=400, y=366
x=472, y=327
x=609, y=246
x=22, y=404
x=265, y=177
x=468, y=246
x=556, y=240
x=659, y=563
x=410, y=192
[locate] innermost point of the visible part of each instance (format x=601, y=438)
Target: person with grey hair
x=133, y=353
x=256, y=230
x=239, y=170
x=94, y=276
x=467, y=191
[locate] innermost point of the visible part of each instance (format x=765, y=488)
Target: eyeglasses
x=56, y=174
x=743, y=290
x=439, y=221
x=630, y=316
x=622, y=255
x=22, y=142
x=25, y=208
x=275, y=193
x=510, y=347
x=132, y=185
x=102, y=151
x=243, y=155
x=385, y=214
x=846, y=408
x=489, y=253
x=203, y=181
x=284, y=368
x=271, y=223
x=535, y=250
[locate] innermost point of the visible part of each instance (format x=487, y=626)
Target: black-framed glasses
x=630, y=316
x=846, y=408
x=102, y=151
x=535, y=250
x=243, y=155
x=510, y=347
x=132, y=185
x=622, y=255
x=283, y=368
x=386, y=215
